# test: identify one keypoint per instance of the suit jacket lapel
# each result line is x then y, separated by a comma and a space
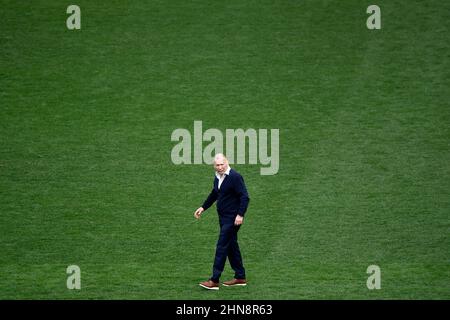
224, 182
216, 181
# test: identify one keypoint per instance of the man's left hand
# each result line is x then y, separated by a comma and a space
239, 220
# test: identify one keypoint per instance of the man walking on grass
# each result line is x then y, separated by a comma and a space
232, 201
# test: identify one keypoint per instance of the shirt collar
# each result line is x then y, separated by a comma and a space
226, 173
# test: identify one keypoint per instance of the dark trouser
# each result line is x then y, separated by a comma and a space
227, 246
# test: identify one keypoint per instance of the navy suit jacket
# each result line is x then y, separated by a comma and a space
232, 197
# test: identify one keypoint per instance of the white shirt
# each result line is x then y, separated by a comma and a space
221, 178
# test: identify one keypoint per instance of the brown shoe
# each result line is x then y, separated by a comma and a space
235, 282
210, 285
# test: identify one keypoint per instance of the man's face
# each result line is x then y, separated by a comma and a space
220, 165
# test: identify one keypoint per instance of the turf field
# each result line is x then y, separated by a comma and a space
86, 176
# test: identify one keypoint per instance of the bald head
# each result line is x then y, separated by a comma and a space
220, 163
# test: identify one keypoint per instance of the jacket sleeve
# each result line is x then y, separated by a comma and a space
242, 193
210, 200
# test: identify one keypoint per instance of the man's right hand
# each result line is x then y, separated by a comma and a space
198, 212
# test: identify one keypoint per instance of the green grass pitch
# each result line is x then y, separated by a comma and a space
86, 176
